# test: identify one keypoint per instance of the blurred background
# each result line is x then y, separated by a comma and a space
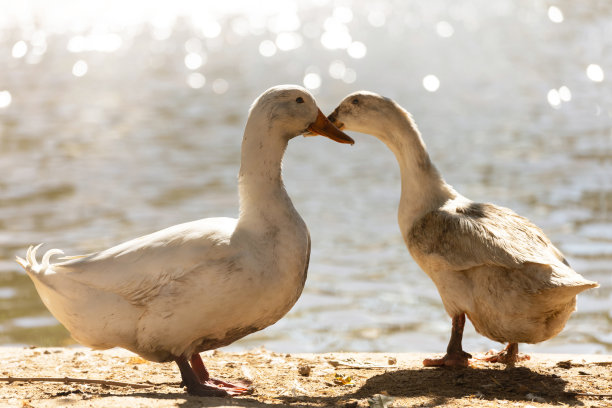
119, 118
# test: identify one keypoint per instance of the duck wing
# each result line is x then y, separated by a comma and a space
138, 269
473, 234
470, 235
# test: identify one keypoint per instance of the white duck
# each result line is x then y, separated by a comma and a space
203, 284
486, 261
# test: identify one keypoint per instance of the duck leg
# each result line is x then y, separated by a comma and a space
508, 356
455, 356
193, 384
204, 377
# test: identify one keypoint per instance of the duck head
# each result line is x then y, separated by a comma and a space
367, 112
293, 111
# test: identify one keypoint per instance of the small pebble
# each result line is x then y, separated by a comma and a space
535, 398
304, 370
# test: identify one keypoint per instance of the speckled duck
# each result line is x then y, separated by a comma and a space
486, 261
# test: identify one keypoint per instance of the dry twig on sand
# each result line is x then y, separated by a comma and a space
68, 380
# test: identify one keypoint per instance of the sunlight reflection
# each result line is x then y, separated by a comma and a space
79, 68
565, 94
349, 76
377, 18
19, 49
39, 44
444, 29
288, 41
555, 14
556, 96
211, 29
336, 35
196, 80
554, 99
595, 73
431, 83
357, 50
285, 21
7, 292
194, 61
76, 44
337, 69
220, 86
312, 80
107, 42
5, 99
343, 14
267, 48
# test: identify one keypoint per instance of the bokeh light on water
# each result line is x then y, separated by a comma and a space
119, 118
5, 99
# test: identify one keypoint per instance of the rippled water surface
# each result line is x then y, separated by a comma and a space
121, 118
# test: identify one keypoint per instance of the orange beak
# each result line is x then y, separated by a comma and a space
322, 126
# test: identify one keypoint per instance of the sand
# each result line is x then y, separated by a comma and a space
304, 380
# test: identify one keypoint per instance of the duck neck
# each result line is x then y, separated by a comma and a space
263, 198
423, 188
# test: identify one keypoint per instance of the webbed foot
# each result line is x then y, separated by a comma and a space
508, 356
456, 359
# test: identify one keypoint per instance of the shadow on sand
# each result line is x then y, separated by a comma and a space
440, 385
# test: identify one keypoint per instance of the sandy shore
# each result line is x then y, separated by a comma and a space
302, 380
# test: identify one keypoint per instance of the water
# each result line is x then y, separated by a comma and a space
117, 120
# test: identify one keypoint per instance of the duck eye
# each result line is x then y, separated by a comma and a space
299, 99
355, 101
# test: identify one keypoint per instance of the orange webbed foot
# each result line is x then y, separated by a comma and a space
458, 359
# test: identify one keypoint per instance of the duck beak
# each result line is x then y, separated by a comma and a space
322, 126
333, 118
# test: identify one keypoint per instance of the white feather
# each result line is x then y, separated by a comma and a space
47, 256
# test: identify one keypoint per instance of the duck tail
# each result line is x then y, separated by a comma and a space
586, 284
568, 282
31, 265
569, 291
